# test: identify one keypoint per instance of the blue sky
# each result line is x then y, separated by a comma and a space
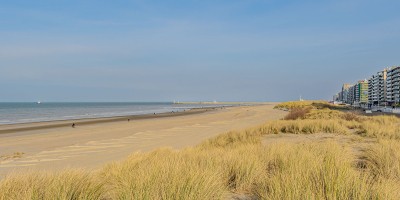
224, 50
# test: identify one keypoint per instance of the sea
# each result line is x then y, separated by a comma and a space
15, 113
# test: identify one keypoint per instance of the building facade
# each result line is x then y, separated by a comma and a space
361, 93
393, 86
345, 93
377, 89
351, 95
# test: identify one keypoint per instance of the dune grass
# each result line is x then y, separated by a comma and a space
383, 159
163, 174
315, 171
309, 104
381, 127
238, 163
68, 184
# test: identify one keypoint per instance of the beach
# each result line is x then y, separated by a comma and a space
315, 150
95, 142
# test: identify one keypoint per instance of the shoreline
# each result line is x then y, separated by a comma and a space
30, 126
236, 103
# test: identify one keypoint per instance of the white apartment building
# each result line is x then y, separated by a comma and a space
377, 88
393, 85
351, 95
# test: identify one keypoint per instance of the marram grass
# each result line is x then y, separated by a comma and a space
68, 184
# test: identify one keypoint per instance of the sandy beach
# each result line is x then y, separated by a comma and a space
94, 142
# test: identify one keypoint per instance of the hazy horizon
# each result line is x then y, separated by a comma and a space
152, 51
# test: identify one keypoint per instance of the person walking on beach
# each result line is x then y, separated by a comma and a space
73, 125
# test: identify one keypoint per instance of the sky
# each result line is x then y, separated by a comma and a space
200, 50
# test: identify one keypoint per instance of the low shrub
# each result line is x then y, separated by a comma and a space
297, 113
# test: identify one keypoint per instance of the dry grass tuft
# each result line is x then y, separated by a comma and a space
381, 127
69, 184
324, 114
383, 159
163, 174
233, 139
304, 127
351, 117
297, 113
314, 171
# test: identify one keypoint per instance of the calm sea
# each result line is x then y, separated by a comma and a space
13, 113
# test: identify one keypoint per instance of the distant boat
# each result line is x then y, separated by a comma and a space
38, 102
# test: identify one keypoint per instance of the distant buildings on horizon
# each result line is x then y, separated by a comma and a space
381, 89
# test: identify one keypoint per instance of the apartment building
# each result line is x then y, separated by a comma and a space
344, 94
361, 92
351, 94
393, 86
377, 89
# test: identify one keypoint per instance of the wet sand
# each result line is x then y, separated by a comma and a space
94, 142
14, 128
